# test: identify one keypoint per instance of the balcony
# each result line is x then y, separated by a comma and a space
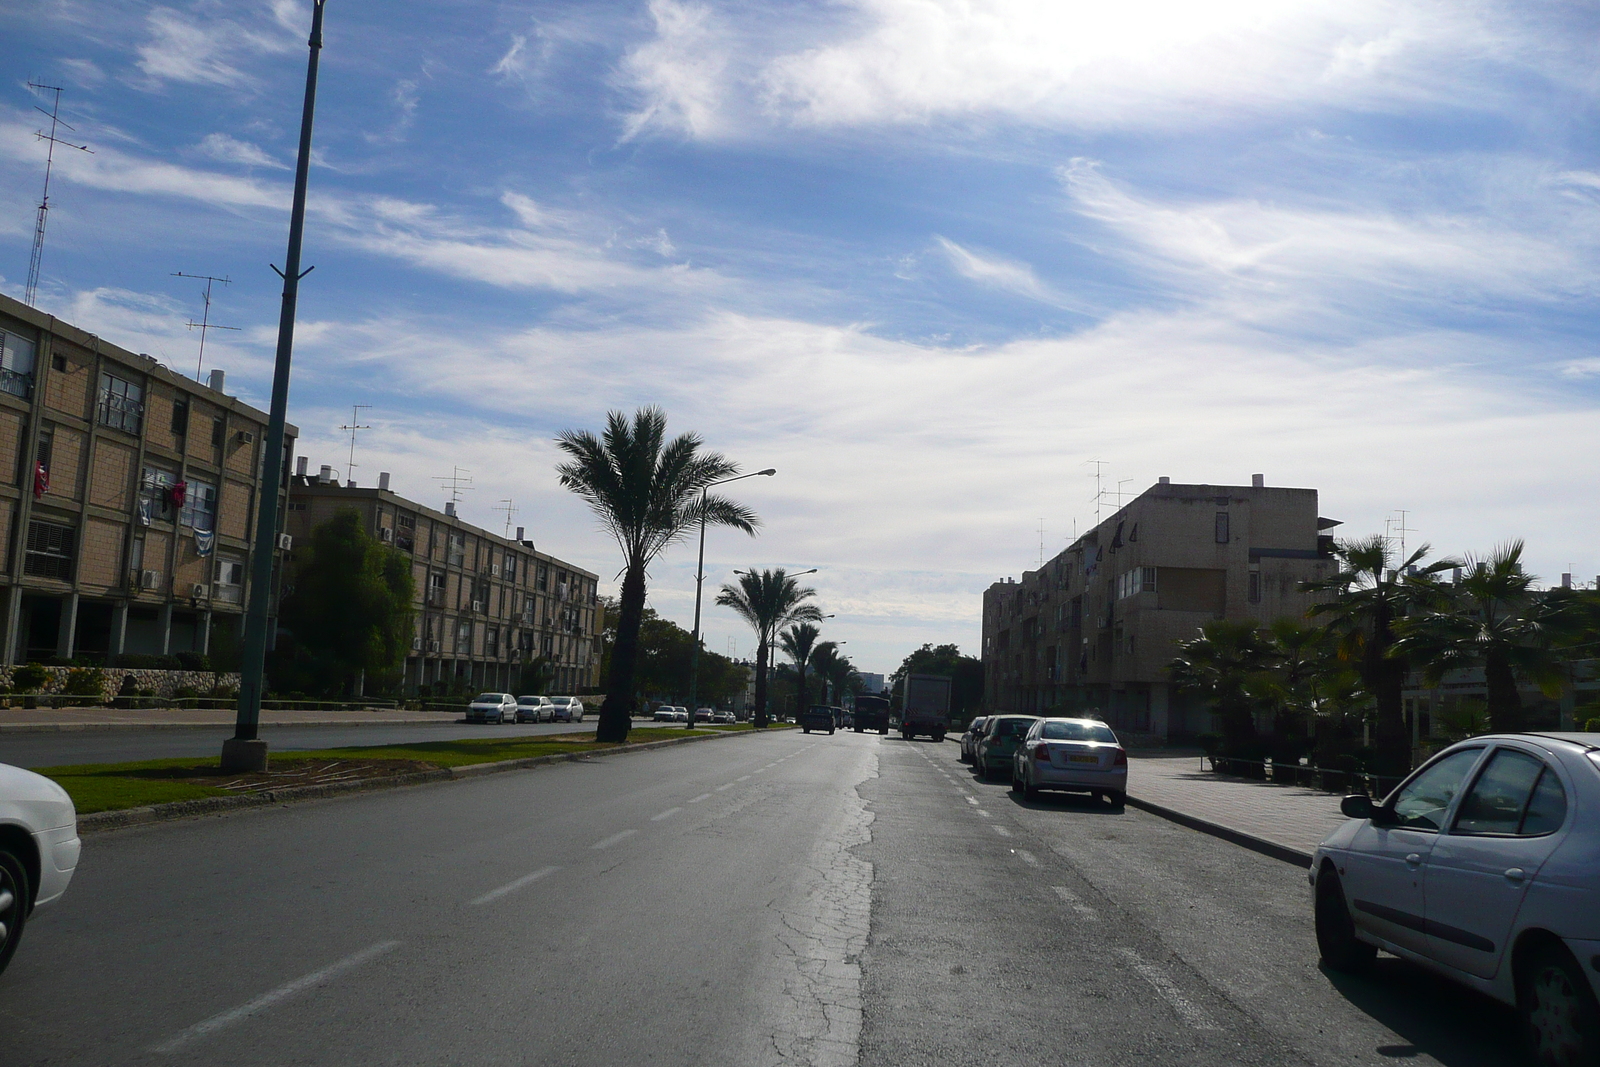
17, 383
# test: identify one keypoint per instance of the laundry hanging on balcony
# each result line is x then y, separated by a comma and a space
41, 480
204, 541
177, 493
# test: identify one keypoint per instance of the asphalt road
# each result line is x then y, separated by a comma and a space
755, 901
58, 749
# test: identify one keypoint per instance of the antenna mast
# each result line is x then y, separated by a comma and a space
44, 201
355, 420
1099, 491
205, 322
455, 482
510, 509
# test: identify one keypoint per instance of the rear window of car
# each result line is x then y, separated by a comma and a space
1077, 731
487, 698
1012, 727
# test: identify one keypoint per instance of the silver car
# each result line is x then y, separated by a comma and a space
535, 709
969, 738
1076, 755
492, 707
1484, 866
39, 849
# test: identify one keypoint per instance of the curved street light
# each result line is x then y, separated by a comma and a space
699, 582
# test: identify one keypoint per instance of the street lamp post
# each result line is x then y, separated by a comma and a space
699, 581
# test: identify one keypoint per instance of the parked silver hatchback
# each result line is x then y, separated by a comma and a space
1076, 755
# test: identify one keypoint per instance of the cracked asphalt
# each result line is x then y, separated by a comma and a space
756, 901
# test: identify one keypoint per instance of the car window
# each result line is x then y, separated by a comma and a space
1496, 802
1012, 727
486, 698
1547, 809
1420, 804
1077, 731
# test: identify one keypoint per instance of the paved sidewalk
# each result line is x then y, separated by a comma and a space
41, 719
1284, 820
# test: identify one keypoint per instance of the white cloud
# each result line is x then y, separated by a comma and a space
185, 46
680, 73
84, 72
220, 146
996, 272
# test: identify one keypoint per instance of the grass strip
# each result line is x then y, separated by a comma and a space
114, 786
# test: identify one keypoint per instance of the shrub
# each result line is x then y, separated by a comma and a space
193, 661
30, 677
128, 688
1593, 725
139, 661
84, 682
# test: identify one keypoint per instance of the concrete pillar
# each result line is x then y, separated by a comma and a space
13, 623
66, 633
165, 623
119, 627
205, 631
1159, 723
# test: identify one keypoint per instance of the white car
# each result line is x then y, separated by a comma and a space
1077, 755
664, 713
568, 709
535, 709
724, 717
1484, 866
492, 707
39, 849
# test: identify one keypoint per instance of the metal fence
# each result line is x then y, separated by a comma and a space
1327, 779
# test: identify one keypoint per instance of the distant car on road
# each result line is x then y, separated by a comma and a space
704, 714
1481, 866
817, 717
39, 849
568, 709
492, 707
535, 709
969, 738
872, 713
1076, 755
998, 742
665, 713
725, 717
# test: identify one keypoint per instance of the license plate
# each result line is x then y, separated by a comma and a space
1083, 759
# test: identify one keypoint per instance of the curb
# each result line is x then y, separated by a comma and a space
1227, 833
184, 809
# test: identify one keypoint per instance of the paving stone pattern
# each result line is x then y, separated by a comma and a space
1287, 815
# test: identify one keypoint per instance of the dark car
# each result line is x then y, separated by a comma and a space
872, 713
998, 742
969, 739
817, 717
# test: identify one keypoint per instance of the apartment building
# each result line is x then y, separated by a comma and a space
486, 605
127, 497
1096, 626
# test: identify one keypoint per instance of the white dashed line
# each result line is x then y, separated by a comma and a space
1169, 991
741, 778
669, 813
720, 788
983, 813
1075, 904
512, 887
1001, 830
973, 801
613, 839
1027, 857
702, 796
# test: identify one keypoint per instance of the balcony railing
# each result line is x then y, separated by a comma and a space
17, 383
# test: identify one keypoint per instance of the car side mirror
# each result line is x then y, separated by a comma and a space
1358, 806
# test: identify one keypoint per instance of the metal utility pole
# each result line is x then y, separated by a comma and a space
699, 582
245, 751
37, 257
205, 322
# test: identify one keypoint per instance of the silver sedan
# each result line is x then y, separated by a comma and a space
1076, 755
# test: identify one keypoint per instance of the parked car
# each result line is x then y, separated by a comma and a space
568, 709
492, 707
535, 709
664, 713
969, 739
704, 714
725, 717
39, 849
998, 742
1481, 866
1075, 755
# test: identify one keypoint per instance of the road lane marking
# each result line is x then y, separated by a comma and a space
972, 800
267, 1000
622, 835
669, 813
1027, 857
702, 796
720, 788
983, 813
1001, 830
741, 778
1168, 991
1075, 904
759, 770
512, 887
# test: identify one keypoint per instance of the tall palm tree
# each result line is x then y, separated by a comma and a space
1496, 622
1227, 665
824, 661
1370, 593
797, 642
646, 491
767, 600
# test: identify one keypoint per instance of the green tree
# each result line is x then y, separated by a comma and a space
836, 671
351, 609
797, 642
1229, 665
965, 674
1493, 620
647, 493
1368, 595
768, 600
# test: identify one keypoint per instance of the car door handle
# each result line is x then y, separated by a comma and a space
1414, 859
1516, 874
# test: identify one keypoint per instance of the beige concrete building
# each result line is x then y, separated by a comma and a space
127, 498
486, 605
1096, 626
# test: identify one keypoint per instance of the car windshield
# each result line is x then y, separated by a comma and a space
977, 724
487, 698
527, 700
1077, 731
1012, 727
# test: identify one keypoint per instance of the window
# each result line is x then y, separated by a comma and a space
44, 455
121, 403
1222, 528
16, 364
405, 533
436, 588
543, 581
464, 636
456, 553
59, 363
1255, 587
180, 416
1420, 804
510, 570
50, 546
1137, 580
218, 432
491, 642
547, 646
1515, 794
200, 506
229, 581
155, 495
136, 555
1077, 731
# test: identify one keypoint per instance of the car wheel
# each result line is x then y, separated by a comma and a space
805, 729
1016, 783
13, 904
859, 729
1029, 790
1559, 1016
883, 730
830, 731
1118, 798
1337, 943
980, 770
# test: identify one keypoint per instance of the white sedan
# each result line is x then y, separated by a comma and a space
1483, 866
1077, 755
38, 849
665, 713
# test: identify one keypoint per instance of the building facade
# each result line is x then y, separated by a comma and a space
1096, 626
486, 605
127, 498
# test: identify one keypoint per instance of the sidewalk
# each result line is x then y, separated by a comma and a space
1284, 821
50, 719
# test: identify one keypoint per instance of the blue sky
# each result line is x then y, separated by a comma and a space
926, 257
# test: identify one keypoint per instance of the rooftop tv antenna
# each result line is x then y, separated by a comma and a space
205, 322
1041, 542
1099, 490
458, 481
510, 509
1400, 529
44, 200
355, 424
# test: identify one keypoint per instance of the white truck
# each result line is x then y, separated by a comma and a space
925, 706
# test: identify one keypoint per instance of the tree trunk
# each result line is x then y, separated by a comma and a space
759, 720
1505, 703
616, 714
1386, 679
800, 690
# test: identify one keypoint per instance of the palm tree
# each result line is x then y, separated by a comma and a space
767, 600
647, 493
1496, 622
836, 669
824, 661
1227, 665
797, 642
1370, 593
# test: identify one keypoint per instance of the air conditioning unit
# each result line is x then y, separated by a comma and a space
527, 618
285, 542
199, 590
477, 605
416, 644
386, 535
433, 646
245, 437
150, 580
494, 570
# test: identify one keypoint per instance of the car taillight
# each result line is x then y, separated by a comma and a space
1122, 758
1042, 753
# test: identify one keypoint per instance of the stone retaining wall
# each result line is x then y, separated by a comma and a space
155, 682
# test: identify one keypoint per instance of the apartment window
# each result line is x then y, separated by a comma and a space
405, 532
49, 554
456, 552
547, 646
544, 576
121, 403
436, 588
1137, 580
155, 495
229, 581
1255, 587
44, 455
59, 363
511, 567
491, 642
136, 555
1222, 528
180, 416
219, 429
200, 506
464, 636
16, 364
